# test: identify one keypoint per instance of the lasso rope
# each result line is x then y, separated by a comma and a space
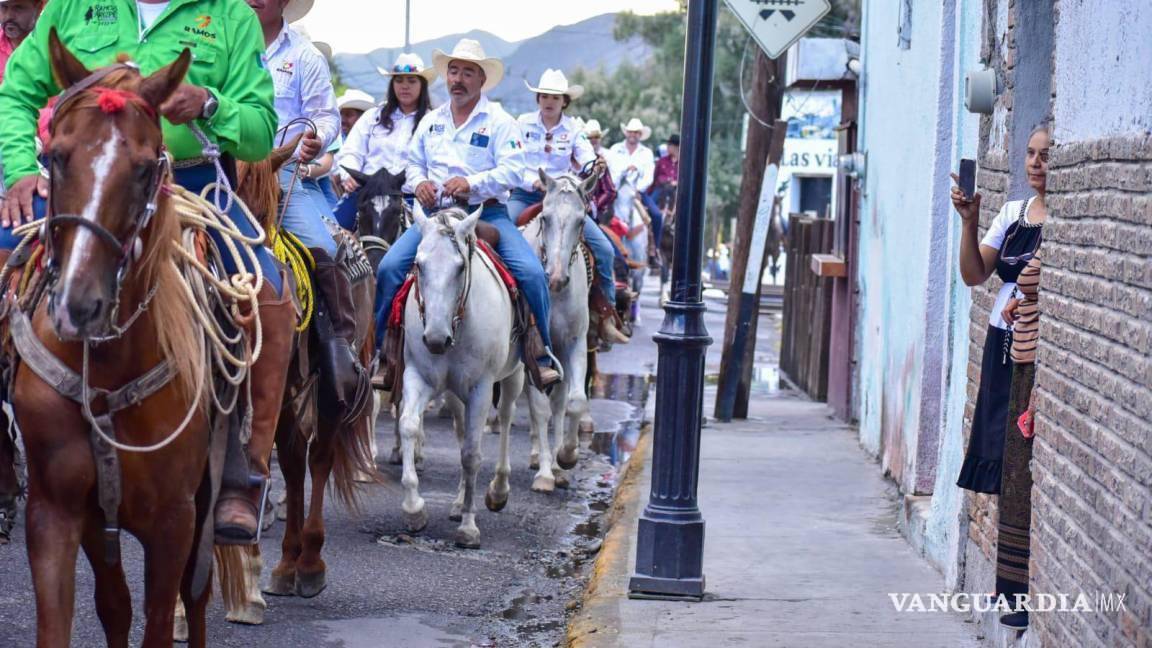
293, 253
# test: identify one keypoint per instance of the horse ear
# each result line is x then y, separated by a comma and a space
467, 225
589, 183
163, 82
280, 156
360, 178
546, 181
418, 215
67, 69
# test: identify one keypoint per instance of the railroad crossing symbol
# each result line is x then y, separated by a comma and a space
776, 24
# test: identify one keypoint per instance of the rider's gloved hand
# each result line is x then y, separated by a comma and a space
17, 207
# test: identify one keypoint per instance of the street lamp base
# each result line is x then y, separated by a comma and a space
669, 559
666, 589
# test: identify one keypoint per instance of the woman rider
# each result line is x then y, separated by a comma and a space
554, 141
379, 140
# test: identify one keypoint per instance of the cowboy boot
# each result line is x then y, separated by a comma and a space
342, 372
605, 318
237, 512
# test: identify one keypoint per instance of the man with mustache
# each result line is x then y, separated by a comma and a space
17, 18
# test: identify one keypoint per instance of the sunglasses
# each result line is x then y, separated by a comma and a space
548, 138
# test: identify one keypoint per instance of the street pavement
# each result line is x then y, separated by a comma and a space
390, 588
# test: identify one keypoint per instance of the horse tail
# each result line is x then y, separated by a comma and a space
231, 564
353, 463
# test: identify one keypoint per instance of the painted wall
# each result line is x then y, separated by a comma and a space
913, 331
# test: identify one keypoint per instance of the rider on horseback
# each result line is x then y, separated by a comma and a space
471, 151
227, 93
552, 142
306, 104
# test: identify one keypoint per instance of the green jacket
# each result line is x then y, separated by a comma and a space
227, 47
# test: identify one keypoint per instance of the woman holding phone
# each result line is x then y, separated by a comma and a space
1006, 248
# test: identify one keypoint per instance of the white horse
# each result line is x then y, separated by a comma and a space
458, 324
629, 208
555, 235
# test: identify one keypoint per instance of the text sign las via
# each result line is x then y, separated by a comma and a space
776, 24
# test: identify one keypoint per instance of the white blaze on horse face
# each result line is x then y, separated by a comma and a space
560, 230
441, 277
83, 242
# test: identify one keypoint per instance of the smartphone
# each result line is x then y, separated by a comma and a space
968, 177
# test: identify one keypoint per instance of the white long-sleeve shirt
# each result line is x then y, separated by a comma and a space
487, 150
369, 147
303, 86
641, 158
553, 154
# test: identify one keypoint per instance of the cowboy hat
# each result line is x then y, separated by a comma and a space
471, 51
592, 129
296, 10
635, 125
356, 100
324, 48
553, 82
409, 64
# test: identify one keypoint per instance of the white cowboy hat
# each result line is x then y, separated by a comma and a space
296, 10
409, 64
356, 100
323, 48
471, 51
553, 82
635, 125
592, 129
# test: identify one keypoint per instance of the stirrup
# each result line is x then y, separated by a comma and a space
261, 509
555, 363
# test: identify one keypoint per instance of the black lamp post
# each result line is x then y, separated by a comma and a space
670, 540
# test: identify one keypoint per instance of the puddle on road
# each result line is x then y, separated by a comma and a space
627, 397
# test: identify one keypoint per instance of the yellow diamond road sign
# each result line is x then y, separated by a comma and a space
776, 24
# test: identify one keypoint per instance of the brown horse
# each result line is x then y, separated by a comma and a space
313, 436
109, 246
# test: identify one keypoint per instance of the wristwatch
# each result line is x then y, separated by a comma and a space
211, 104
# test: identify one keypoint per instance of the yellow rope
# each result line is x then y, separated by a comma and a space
293, 253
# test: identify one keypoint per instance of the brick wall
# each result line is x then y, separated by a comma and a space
1092, 463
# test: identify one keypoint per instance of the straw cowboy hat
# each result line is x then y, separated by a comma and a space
553, 82
409, 64
356, 100
297, 9
635, 125
323, 48
592, 129
471, 51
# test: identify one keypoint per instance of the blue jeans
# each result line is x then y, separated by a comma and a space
517, 254
602, 249
345, 210
656, 215
325, 185
193, 179
303, 215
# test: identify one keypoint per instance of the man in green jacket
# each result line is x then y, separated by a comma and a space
228, 93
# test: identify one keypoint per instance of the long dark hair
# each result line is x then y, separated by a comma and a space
423, 105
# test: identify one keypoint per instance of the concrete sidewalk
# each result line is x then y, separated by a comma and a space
801, 546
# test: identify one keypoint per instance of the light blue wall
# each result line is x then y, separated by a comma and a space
913, 331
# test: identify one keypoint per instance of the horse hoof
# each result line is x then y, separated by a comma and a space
310, 585
180, 630
281, 583
416, 521
468, 538
250, 614
567, 459
495, 505
561, 480
395, 459
544, 484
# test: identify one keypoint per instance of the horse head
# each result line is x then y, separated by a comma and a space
380, 205
107, 168
561, 224
443, 271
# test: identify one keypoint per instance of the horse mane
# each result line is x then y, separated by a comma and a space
258, 186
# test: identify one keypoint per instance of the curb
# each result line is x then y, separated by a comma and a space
598, 620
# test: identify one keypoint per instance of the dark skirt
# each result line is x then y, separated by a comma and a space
1015, 491
982, 462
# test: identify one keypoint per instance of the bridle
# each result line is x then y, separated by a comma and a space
129, 249
466, 251
580, 238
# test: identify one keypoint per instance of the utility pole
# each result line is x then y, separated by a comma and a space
670, 538
407, 25
765, 102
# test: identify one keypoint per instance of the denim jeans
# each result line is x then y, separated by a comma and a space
303, 215
517, 254
193, 179
602, 249
345, 210
656, 215
325, 186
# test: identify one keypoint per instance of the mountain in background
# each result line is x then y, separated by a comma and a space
588, 44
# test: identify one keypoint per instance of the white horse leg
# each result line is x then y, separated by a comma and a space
575, 408
540, 412
411, 429
251, 612
455, 408
479, 401
497, 496
180, 623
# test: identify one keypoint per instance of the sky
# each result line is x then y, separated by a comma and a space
355, 26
